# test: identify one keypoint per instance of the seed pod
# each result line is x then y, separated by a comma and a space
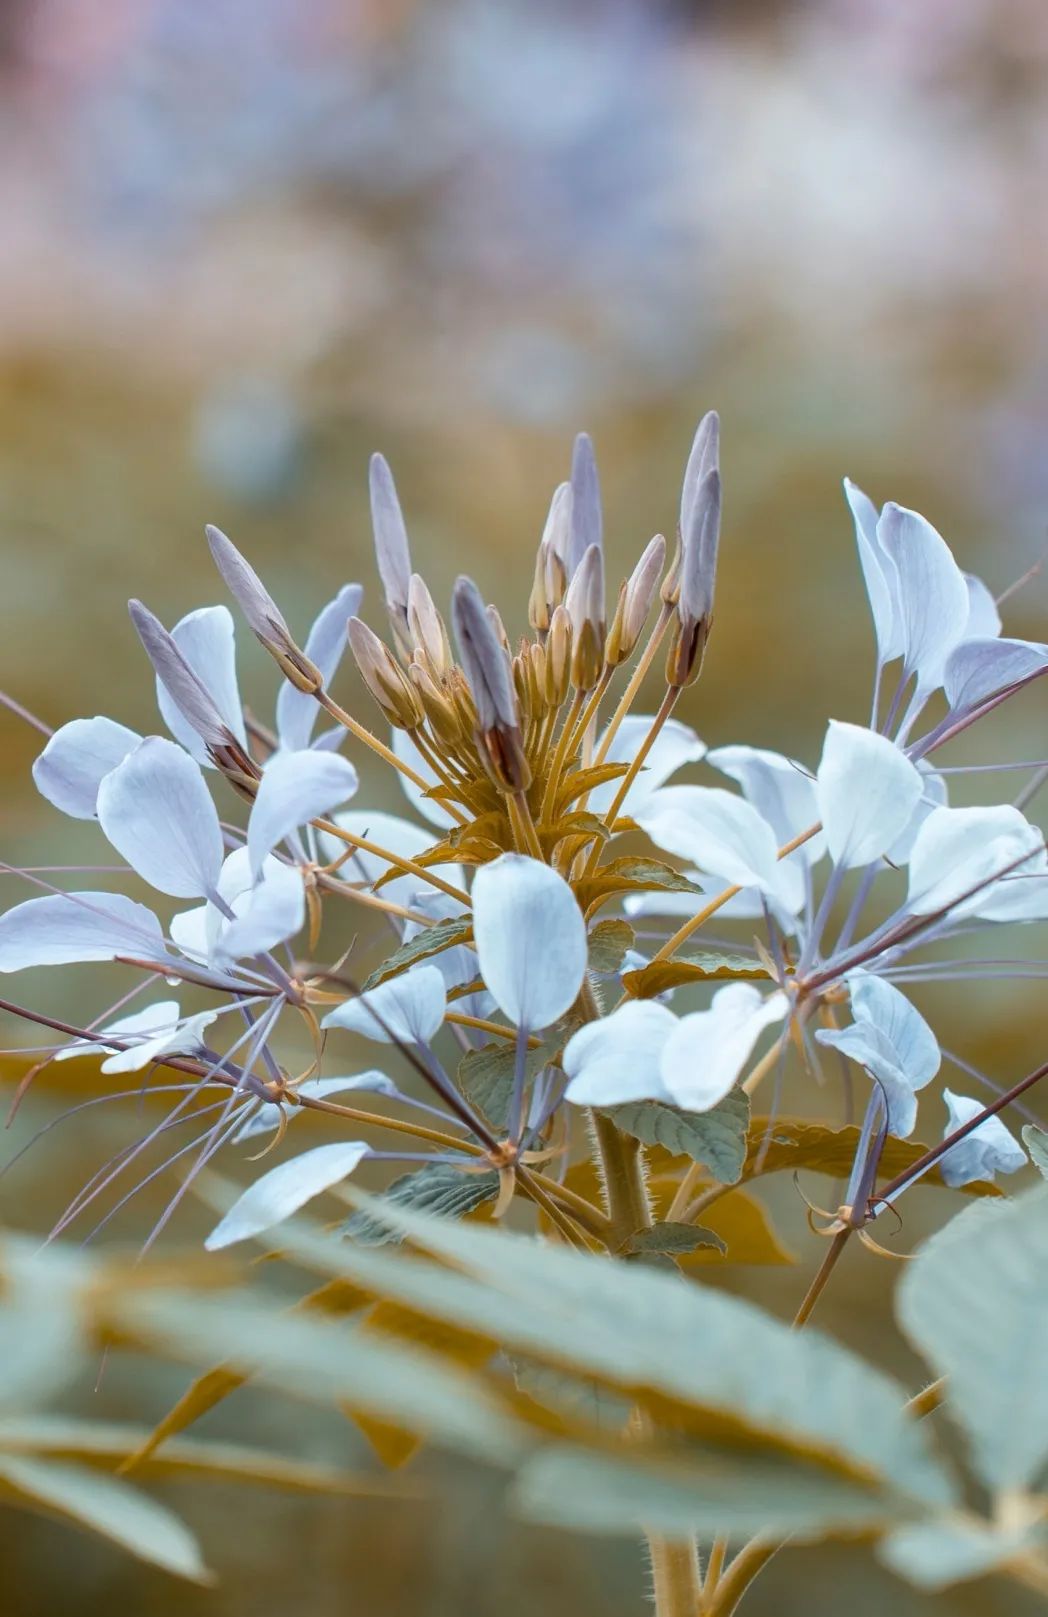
486, 666
383, 677
263, 615
697, 576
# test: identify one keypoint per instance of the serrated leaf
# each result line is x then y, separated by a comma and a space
707, 1494
975, 1304
711, 966
697, 1359
106, 1506
675, 1240
578, 824
716, 1138
581, 781
1036, 1142
437, 1188
631, 875
485, 1076
433, 940
608, 942
936, 1554
798, 1143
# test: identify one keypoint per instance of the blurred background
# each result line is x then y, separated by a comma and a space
247, 242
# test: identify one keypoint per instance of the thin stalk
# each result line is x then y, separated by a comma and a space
517, 803
676, 1586
753, 1558
666, 707
560, 756
818, 1285
378, 747
629, 695
409, 866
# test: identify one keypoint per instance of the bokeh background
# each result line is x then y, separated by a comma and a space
246, 242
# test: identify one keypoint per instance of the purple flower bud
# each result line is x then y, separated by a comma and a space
262, 613
184, 687
487, 669
391, 545
586, 522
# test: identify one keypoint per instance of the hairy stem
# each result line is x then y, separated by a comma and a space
675, 1576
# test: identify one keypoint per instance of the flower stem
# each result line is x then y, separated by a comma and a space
626, 701
675, 1576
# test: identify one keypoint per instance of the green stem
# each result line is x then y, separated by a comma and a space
676, 1585
621, 1164
740, 1574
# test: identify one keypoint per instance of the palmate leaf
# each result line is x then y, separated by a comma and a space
433, 940
975, 1304
716, 1138
794, 1142
697, 1358
437, 1188
485, 1076
710, 1493
106, 1506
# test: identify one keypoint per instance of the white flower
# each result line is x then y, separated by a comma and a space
158, 1030
284, 1189
987, 1151
675, 745
866, 790
408, 1009
994, 850
269, 1113
724, 836
619, 1057
892, 1041
530, 938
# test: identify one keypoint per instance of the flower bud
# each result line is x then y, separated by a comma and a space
558, 658
585, 606
391, 548
383, 677
486, 666
634, 604
698, 569
262, 613
586, 520
441, 715
427, 627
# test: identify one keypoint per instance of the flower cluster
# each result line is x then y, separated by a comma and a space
523, 928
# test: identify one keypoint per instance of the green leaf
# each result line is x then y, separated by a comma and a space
716, 1138
577, 1397
702, 1355
975, 1303
579, 824
630, 875
705, 967
608, 943
324, 1362
485, 1076
792, 1142
742, 1222
106, 1506
710, 1493
581, 781
102, 1443
433, 940
676, 1240
1036, 1142
436, 1188
935, 1554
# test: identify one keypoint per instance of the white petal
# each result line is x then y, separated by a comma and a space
707, 1050
269, 913
716, 830
674, 746
268, 1116
297, 710
530, 938
284, 1189
984, 620
933, 595
979, 668
295, 788
867, 791
871, 1049
65, 928
389, 831
206, 639
428, 807
618, 1058
161, 1017
76, 760
781, 790
156, 810
959, 849
409, 1009
193, 932
933, 796
879, 573
987, 1151
184, 1039
881, 1005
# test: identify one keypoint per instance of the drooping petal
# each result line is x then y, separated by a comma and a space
76, 760
871, 1049
295, 788
429, 807
716, 830
297, 710
270, 912
984, 1153
284, 1189
881, 1004
531, 939
618, 1058
161, 1017
207, 641
186, 1038
867, 791
961, 849
977, 669
706, 1052
408, 1009
66, 928
269, 1114
675, 745
933, 595
984, 620
156, 810
879, 574
780, 789
398, 836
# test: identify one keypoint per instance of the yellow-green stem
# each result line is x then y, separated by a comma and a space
666, 707
675, 1576
628, 696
